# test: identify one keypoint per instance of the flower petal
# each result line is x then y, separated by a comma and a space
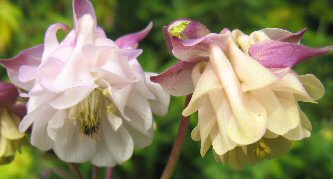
313, 86
51, 41
82, 7
248, 70
29, 57
249, 123
275, 54
177, 79
9, 129
130, 41
120, 143
160, 104
71, 97
283, 35
78, 149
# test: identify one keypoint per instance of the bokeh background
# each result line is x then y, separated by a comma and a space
23, 24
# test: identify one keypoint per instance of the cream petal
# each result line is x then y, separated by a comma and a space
59, 128
71, 97
41, 113
103, 156
206, 122
207, 82
160, 104
140, 139
249, 122
313, 86
303, 130
9, 129
248, 70
282, 112
120, 143
120, 96
195, 134
78, 149
39, 136
140, 106
223, 114
290, 83
114, 120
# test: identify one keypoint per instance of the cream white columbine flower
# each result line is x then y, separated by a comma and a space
244, 89
89, 99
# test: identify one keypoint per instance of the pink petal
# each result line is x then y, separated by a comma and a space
8, 94
130, 41
283, 35
51, 41
28, 57
80, 8
192, 31
275, 54
71, 97
177, 80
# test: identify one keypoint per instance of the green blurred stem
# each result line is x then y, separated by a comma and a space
94, 172
177, 146
76, 170
109, 173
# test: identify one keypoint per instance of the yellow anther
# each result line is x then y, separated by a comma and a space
88, 113
178, 29
262, 149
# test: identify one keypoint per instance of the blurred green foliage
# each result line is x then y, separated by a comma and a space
23, 24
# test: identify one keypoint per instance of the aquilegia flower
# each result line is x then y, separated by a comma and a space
11, 113
244, 89
89, 99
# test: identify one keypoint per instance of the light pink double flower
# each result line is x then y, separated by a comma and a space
244, 89
89, 99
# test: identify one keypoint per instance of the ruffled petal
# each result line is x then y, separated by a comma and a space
275, 54
51, 41
284, 35
177, 79
313, 86
160, 104
82, 7
130, 41
79, 148
28, 57
248, 70
249, 123
120, 144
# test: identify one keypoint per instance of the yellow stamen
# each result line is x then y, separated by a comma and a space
262, 149
178, 29
88, 113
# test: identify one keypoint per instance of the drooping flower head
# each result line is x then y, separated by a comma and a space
89, 99
11, 113
244, 89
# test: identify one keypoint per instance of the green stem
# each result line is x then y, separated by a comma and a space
76, 170
177, 146
109, 173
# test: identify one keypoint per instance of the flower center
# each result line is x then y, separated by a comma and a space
262, 149
88, 113
178, 29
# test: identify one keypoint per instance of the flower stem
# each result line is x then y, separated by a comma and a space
177, 146
76, 170
94, 172
109, 173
